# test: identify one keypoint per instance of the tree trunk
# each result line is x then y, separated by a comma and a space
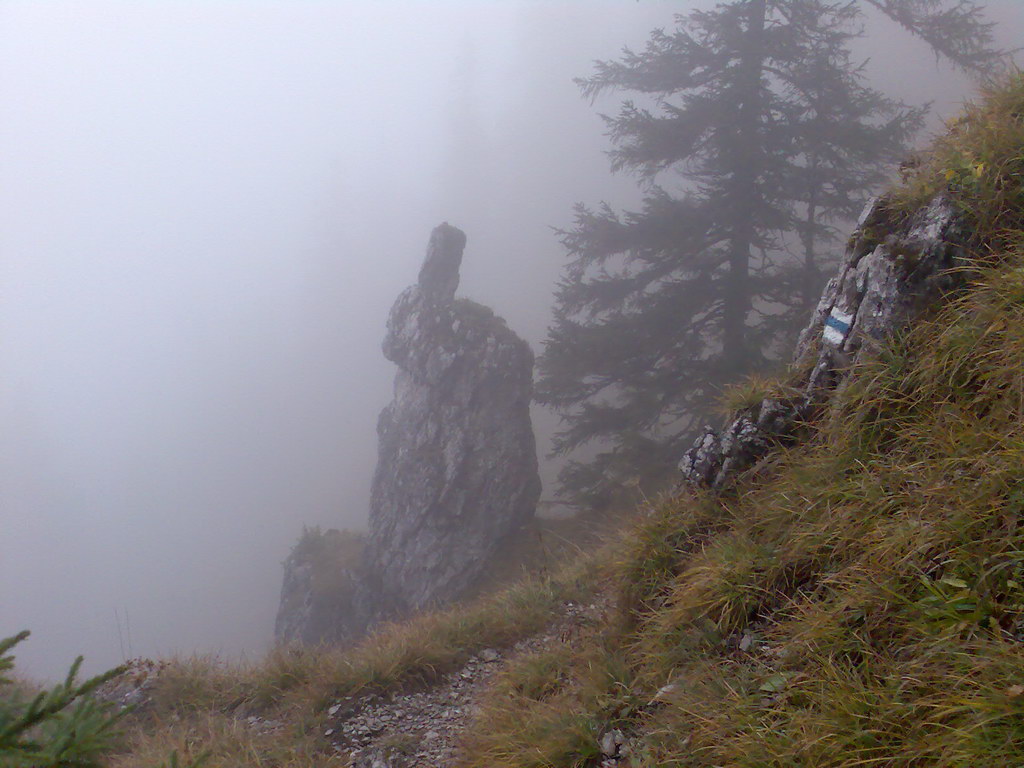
737, 301
810, 283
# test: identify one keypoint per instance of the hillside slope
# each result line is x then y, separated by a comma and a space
857, 598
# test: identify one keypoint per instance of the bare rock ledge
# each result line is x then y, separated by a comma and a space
894, 267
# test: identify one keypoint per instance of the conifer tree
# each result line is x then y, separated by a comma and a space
758, 138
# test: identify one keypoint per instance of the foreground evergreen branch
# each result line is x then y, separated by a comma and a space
59, 728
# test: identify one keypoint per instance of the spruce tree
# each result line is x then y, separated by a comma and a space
757, 141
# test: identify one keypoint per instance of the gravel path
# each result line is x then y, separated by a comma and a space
422, 729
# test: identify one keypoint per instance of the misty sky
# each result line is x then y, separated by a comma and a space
206, 211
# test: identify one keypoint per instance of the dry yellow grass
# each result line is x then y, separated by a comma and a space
201, 706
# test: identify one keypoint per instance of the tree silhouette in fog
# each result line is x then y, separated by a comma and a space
756, 139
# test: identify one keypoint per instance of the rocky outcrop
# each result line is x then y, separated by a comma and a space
894, 265
457, 462
323, 595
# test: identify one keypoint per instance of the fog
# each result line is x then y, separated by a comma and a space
206, 211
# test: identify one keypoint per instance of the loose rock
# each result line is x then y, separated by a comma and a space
611, 742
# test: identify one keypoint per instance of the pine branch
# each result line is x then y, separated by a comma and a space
954, 29
60, 727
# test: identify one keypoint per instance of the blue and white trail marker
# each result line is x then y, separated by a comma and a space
837, 326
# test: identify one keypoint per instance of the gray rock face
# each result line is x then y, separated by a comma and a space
893, 267
323, 595
456, 470
457, 460
297, 620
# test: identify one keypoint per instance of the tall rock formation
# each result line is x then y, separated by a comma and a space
895, 265
457, 461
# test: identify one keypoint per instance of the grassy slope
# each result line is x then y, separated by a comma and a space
861, 602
